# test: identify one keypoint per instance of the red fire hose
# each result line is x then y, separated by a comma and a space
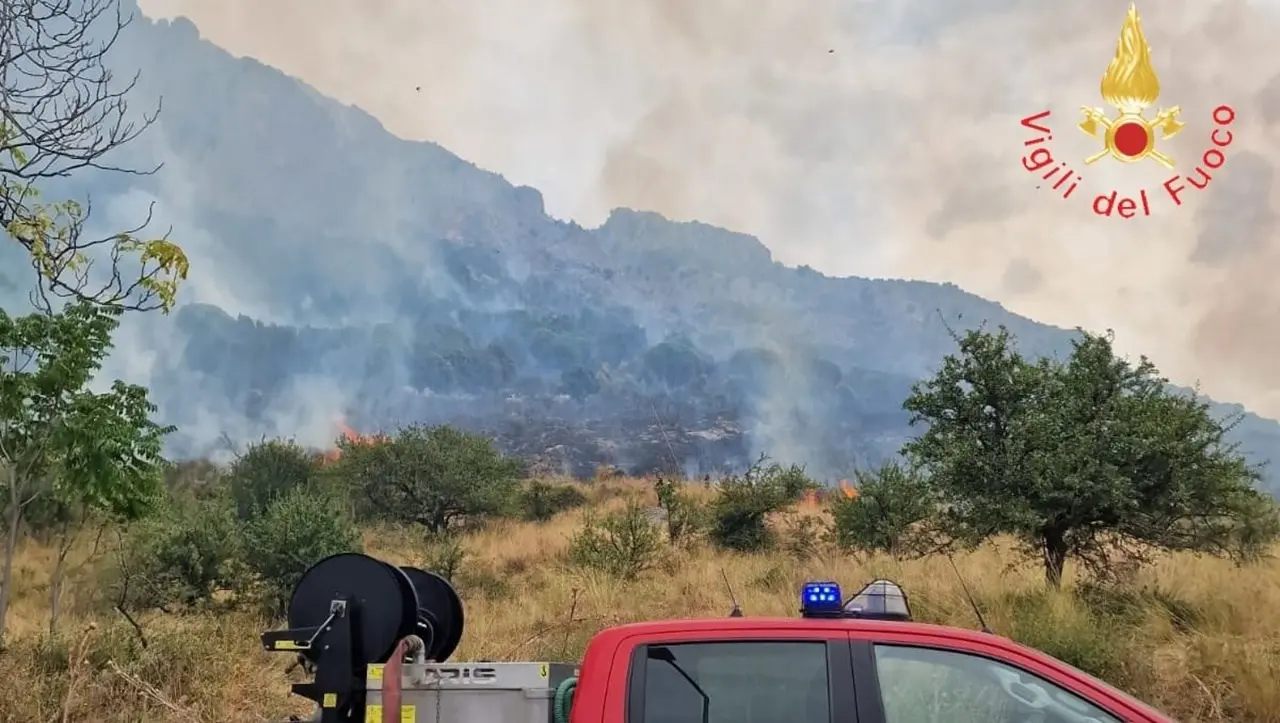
393, 675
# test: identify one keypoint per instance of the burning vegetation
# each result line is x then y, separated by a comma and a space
351, 437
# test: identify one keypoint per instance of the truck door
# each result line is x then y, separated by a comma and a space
733, 679
913, 681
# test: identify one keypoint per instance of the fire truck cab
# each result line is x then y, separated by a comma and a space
860, 660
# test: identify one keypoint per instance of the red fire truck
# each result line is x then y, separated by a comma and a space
378, 639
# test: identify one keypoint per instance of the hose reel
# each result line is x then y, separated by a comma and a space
349, 611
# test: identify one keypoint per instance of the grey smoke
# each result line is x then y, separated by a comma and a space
896, 155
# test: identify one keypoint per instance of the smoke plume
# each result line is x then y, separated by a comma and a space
867, 138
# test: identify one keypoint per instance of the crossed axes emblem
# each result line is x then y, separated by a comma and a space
1098, 125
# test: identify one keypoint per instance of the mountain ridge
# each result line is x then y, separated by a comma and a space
407, 284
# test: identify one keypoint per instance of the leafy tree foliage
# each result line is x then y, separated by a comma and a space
61, 112
435, 476
739, 513
298, 529
265, 472
540, 501
1092, 458
63, 445
892, 505
625, 544
685, 518
180, 557
675, 363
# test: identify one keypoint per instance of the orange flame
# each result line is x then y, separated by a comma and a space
347, 432
810, 499
351, 436
850, 492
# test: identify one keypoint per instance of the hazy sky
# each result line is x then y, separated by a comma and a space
858, 137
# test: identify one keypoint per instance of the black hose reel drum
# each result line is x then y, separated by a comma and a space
349, 611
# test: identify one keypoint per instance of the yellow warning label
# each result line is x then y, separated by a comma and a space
544, 671
330, 700
290, 645
375, 672
373, 714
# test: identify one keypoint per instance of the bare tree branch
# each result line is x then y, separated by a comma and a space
62, 111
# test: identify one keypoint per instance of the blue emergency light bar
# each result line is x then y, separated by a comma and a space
820, 599
880, 600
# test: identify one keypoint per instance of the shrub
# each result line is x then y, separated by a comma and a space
444, 555
625, 544
743, 503
892, 501
792, 482
684, 516
805, 537
265, 472
295, 532
540, 501
182, 556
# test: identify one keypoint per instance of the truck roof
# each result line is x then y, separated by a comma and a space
923, 633
688, 625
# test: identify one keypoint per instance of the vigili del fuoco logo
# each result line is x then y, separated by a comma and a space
1128, 135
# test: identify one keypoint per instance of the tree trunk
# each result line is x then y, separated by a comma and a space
13, 518
65, 540
1055, 556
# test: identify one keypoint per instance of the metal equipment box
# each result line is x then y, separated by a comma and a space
472, 692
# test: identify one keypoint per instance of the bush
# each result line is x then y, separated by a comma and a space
265, 472
540, 501
805, 537
685, 518
892, 501
743, 504
625, 544
295, 532
180, 557
444, 555
437, 477
792, 482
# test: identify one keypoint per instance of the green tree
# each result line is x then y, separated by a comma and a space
892, 504
1094, 459
298, 529
674, 362
63, 111
434, 476
61, 441
265, 472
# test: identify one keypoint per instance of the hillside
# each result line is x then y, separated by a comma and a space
1187, 619
340, 272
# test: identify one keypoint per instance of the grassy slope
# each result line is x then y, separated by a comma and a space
1205, 646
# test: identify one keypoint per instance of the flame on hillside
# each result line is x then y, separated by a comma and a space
351, 436
812, 499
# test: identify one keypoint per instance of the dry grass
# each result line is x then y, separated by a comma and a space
1202, 643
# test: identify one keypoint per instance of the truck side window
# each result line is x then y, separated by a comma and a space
736, 682
926, 685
